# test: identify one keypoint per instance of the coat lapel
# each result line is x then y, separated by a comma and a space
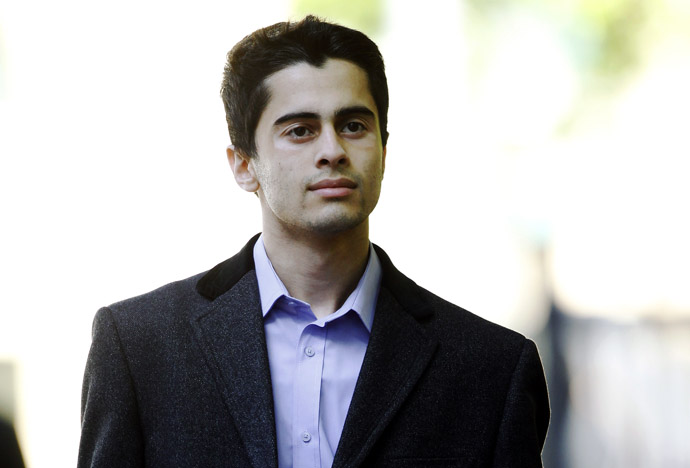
398, 353
230, 332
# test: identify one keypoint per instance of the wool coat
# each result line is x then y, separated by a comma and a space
179, 377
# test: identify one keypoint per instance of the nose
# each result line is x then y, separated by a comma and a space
330, 151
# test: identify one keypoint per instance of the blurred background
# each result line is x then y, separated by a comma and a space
537, 174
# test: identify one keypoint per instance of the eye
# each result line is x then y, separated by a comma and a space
299, 132
354, 127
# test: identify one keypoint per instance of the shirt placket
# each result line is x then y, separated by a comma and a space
307, 397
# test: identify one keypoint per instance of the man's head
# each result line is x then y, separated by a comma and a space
271, 49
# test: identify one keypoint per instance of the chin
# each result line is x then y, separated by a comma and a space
336, 224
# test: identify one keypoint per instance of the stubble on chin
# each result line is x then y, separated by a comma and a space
335, 224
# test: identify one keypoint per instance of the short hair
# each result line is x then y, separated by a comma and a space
273, 48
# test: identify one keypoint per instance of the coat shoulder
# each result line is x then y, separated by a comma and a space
444, 320
177, 300
155, 315
168, 300
451, 321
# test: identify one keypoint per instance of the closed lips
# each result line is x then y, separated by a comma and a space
333, 183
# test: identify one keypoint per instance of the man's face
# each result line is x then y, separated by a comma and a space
320, 160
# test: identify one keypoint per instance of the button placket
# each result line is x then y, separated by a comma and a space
306, 395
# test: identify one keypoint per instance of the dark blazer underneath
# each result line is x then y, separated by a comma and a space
179, 377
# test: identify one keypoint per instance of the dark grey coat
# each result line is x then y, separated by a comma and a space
179, 377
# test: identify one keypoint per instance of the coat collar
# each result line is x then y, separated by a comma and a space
403, 289
222, 277
225, 275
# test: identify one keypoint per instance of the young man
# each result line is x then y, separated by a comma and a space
308, 348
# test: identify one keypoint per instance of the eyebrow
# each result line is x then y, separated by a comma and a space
296, 116
354, 110
340, 113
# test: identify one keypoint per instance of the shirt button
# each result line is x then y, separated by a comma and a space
306, 437
309, 351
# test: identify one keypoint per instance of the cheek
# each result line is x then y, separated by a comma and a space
277, 181
375, 168
265, 172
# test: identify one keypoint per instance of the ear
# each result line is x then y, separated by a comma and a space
243, 170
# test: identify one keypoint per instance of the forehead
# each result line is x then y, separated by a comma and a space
322, 90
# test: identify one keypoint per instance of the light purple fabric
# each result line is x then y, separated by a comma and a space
314, 363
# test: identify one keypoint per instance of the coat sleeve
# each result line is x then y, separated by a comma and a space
110, 427
525, 415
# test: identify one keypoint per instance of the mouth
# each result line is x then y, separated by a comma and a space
333, 188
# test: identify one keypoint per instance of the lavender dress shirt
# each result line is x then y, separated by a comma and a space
314, 363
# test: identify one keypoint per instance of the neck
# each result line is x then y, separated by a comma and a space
320, 269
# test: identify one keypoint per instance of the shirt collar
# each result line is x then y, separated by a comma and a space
362, 300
